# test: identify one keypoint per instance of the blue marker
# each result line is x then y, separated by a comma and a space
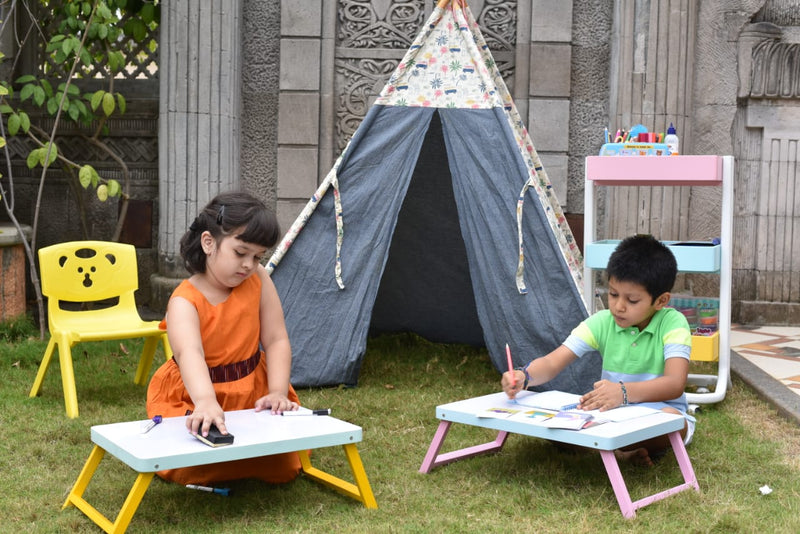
219, 491
151, 424
570, 406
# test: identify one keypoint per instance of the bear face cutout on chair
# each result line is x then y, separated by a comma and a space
90, 266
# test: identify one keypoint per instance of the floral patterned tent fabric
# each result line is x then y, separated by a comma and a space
516, 259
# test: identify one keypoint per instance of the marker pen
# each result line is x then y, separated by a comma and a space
326, 411
151, 424
219, 491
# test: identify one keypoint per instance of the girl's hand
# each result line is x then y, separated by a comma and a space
204, 415
606, 395
276, 402
512, 383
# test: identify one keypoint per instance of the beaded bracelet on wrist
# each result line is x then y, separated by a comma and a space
524, 370
624, 393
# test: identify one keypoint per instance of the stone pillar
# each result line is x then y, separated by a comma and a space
199, 128
301, 159
549, 86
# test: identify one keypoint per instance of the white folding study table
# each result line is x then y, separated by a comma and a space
169, 445
605, 437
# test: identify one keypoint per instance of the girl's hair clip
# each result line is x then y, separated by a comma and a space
220, 214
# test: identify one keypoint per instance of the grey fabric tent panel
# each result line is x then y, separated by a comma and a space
487, 183
328, 327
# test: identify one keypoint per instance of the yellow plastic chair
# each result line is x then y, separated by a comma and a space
89, 287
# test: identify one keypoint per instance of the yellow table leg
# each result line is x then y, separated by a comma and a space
129, 507
86, 475
360, 491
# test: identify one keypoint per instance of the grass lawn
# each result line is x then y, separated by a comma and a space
740, 445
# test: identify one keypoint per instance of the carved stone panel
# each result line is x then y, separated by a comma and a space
373, 35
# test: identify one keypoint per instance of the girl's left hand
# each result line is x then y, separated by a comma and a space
276, 402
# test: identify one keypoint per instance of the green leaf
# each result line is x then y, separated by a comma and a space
28, 78
86, 57
103, 11
148, 13
112, 62
48, 89
108, 104
139, 31
26, 92
113, 188
38, 96
102, 31
33, 158
82, 107
14, 122
102, 192
53, 153
85, 175
66, 47
97, 98
73, 111
3, 91
121, 103
2, 143
25, 121
6, 109
52, 105
73, 90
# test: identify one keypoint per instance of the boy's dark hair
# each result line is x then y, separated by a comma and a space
235, 210
644, 260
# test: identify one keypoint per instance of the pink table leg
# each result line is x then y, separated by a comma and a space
629, 508
618, 484
434, 459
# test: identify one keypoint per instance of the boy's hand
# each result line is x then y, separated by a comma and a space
512, 383
606, 395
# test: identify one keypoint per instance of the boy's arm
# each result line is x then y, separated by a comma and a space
607, 395
540, 370
667, 387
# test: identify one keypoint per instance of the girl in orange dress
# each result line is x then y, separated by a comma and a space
227, 332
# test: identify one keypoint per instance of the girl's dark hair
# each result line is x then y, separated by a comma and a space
646, 261
226, 213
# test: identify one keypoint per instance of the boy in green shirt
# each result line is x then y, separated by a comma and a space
644, 345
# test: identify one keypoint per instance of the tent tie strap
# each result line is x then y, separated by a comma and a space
521, 287
337, 207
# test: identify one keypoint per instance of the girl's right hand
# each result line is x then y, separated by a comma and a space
512, 382
204, 415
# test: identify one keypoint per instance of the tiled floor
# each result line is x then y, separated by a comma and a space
774, 349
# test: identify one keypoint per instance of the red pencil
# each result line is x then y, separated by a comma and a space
511, 367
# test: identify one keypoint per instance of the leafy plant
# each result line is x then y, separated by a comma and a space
86, 48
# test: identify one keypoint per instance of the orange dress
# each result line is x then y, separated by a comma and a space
230, 332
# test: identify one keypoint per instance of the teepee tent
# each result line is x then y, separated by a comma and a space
437, 218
